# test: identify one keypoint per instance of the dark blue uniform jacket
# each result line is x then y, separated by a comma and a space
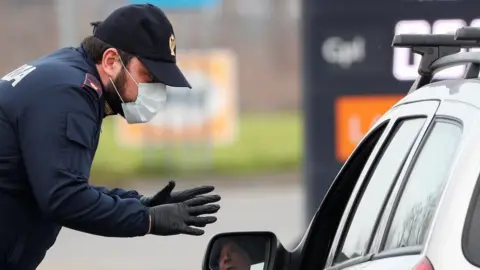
51, 112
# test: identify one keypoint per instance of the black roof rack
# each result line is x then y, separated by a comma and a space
468, 33
444, 47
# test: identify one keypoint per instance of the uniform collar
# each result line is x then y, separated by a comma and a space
106, 110
91, 64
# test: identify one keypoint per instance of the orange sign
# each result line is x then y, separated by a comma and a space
354, 116
205, 113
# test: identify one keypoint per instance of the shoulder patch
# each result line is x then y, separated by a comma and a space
93, 83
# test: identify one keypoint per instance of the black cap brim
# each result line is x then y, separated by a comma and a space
166, 72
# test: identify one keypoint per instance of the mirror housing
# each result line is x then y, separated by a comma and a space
259, 250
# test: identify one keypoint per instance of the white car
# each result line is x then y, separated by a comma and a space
409, 195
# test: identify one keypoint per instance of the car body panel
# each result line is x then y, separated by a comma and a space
446, 236
458, 98
467, 91
455, 100
393, 263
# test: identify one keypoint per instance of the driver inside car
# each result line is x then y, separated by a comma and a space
237, 254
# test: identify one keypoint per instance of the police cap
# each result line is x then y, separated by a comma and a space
144, 31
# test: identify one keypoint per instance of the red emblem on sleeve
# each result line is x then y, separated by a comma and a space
93, 83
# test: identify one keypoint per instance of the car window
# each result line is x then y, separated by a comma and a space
378, 187
424, 187
330, 212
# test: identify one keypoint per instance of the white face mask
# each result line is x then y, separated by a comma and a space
150, 100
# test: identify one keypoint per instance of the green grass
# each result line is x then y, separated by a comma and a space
265, 143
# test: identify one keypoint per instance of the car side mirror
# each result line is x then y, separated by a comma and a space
243, 251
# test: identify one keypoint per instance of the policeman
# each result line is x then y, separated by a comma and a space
51, 112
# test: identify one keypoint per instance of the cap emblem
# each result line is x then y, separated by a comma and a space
172, 44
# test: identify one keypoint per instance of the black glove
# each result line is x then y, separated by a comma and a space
172, 219
166, 195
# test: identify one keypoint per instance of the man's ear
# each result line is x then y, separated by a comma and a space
110, 62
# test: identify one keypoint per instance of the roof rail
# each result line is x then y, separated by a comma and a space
468, 34
438, 47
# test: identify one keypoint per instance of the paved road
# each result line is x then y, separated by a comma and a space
254, 205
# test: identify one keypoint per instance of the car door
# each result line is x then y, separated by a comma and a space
407, 126
411, 211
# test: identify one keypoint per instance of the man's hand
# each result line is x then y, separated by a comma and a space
166, 195
172, 219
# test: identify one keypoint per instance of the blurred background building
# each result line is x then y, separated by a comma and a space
263, 35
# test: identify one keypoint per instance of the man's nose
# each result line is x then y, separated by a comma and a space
226, 258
